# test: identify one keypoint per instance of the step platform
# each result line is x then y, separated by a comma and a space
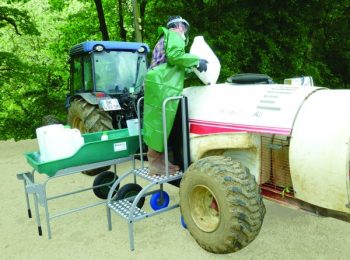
123, 207
144, 173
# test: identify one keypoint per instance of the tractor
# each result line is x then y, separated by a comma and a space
106, 80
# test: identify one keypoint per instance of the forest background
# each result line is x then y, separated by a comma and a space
282, 39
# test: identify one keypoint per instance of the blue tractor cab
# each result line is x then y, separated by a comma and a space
106, 79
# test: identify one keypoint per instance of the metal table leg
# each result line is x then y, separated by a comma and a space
37, 216
131, 235
109, 220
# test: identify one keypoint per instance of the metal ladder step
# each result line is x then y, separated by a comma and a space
122, 207
143, 173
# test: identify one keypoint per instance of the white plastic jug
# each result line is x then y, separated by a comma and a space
201, 49
77, 139
57, 142
41, 133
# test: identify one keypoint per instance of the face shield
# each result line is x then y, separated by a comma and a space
180, 25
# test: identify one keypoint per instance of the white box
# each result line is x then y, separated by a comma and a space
300, 82
133, 126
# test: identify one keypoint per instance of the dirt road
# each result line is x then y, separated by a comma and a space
286, 233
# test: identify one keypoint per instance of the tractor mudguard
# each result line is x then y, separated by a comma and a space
89, 98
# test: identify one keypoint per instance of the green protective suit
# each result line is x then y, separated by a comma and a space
163, 81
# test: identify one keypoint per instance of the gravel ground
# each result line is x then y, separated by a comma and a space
286, 233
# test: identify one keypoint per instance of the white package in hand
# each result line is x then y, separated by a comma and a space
202, 50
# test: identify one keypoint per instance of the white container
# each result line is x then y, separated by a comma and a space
202, 50
57, 142
41, 133
133, 126
77, 139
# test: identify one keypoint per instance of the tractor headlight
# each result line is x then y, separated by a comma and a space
141, 49
99, 47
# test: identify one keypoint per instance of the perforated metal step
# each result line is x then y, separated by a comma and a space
144, 173
122, 207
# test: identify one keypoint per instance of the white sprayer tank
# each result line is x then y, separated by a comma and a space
315, 119
319, 150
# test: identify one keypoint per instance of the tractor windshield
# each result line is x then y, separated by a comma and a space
119, 72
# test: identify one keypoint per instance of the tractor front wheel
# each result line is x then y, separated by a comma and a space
221, 204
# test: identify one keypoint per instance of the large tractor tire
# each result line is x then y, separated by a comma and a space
88, 119
221, 204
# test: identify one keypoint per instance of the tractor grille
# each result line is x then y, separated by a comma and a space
275, 161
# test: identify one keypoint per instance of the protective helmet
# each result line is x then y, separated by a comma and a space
179, 23
176, 21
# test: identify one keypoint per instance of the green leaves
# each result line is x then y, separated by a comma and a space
17, 19
30, 77
279, 38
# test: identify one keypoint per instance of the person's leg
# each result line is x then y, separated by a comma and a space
156, 163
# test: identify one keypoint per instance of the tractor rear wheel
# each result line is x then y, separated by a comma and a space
88, 119
221, 204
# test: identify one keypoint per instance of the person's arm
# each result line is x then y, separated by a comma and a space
175, 52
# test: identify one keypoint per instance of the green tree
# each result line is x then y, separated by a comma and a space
101, 19
31, 85
279, 38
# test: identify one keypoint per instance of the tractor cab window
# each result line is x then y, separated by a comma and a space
82, 74
77, 74
119, 71
88, 86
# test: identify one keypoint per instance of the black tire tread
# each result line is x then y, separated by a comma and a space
94, 118
243, 196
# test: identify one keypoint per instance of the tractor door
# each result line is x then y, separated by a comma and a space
81, 75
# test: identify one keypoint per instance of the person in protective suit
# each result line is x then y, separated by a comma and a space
165, 79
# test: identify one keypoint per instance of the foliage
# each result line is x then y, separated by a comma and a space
31, 84
19, 20
279, 38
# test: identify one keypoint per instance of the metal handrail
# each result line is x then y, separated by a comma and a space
140, 134
165, 136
